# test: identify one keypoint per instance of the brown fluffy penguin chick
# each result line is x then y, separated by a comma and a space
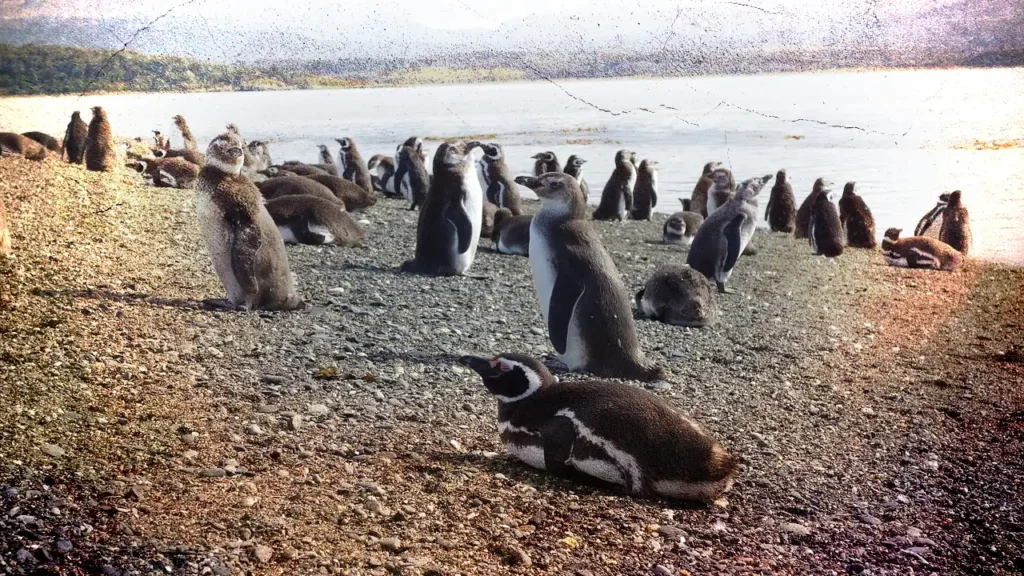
956, 224
76, 138
826, 231
51, 143
5, 233
511, 233
487, 223
803, 214
699, 196
679, 295
295, 186
919, 252
313, 220
356, 199
170, 172
601, 430
12, 144
781, 209
856, 218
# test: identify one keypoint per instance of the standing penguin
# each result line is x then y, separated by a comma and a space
511, 233
956, 224
724, 235
803, 215
645, 192
581, 295
382, 170
100, 154
502, 190
353, 166
617, 196
681, 227
327, 161
608, 431
545, 162
722, 189
781, 210
411, 177
449, 225
825, 230
855, 216
246, 248
699, 197
574, 168
678, 295
931, 223
76, 137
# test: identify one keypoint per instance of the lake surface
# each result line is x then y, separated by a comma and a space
903, 136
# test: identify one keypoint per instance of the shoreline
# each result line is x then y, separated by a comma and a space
869, 405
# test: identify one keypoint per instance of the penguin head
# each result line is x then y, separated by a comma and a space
455, 154
954, 198
553, 187
225, 152
345, 143
374, 161
492, 152
99, 112
822, 184
159, 153
848, 189
577, 162
893, 233
76, 115
509, 377
623, 157
686, 204
944, 198
751, 187
140, 166
780, 176
722, 177
233, 129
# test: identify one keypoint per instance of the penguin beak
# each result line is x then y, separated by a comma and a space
480, 365
536, 156
235, 152
473, 144
528, 181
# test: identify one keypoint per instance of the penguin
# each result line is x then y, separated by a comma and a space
545, 162
603, 430
617, 196
681, 227
956, 224
245, 246
353, 166
449, 225
919, 252
581, 295
511, 233
295, 186
574, 168
46, 140
502, 190
76, 136
411, 177
160, 141
100, 153
645, 192
803, 214
487, 222
855, 216
699, 197
383, 181
190, 149
12, 144
169, 172
353, 196
327, 163
781, 209
722, 189
678, 295
724, 235
312, 220
301, 169
825, 231
5, 232
931, 223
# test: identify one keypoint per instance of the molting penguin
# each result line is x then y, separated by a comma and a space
574, 168
352, 195
699, 197
956, 224
169, 172
722, 189
803, 215
411, 177
246, 248
645, 192
295, 186
353, 166
617, 196
511, 234
931, 223
449, 225
100, 154
608, 431
46, 140
781, 210
681, 227
5, 232
12, 144
487, 223
545, 162
190, 149
919, 252
679, 295
76, 137
724, 235
313, 220
382, 170
300, 169
327, 161
160, 141
581, 295
856, 218
502, 190
825, 231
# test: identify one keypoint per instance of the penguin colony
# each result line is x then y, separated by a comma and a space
249, 208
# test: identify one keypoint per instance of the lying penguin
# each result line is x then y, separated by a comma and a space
678, 295
313, 220
681, 227
604, 430
511, 234
919, 252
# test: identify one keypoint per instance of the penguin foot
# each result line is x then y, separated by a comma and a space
219, 305
723, 289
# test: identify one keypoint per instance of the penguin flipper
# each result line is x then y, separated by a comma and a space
458, 218
732, 237
245, 244
564, 295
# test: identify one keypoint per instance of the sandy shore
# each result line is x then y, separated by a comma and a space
880, 426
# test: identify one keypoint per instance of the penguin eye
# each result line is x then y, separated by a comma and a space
505, 366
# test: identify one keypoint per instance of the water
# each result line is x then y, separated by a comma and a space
903, 136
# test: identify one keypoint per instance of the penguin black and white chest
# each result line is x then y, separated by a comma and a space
448, 229
803, 214
353, 166
825, 231
931, 223
956, 224
411, 177
855, 216
511, 233
545, 162
502, 190
722, 189
245, 246
601, 430
645, 192
382, 172
574, 168
681, 227
581, 295
617, 196
781, 209
919, 252
699, 196
75, 138
725, 234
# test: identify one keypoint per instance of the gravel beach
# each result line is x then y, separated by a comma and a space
878, 411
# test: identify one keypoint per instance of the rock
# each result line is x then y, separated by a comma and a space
515, 556
189, 437
64, 546
249, 501
925, 542
215, 473
318, 410
661, 570
914, 532
253, 430
658, 386
671, 532
760, 439
794, 529
52, 450
295, 422
23, 556
391, 545
336, 290
267, 409
868, 519
271, 379
263, 553
537, 331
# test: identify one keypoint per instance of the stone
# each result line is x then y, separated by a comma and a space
391, 545
516, 556
868, 519
52, 450
253, 430
794, 529
671, 532
215, 473
189, 437
318, 410
661, 570
64, 546
267, 409
263, 553
295, 422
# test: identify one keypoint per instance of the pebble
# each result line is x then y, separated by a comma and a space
267, 409
264, 553
52, 450
392, 545
868, 519
671, 532
253, 430
295, 422
318, 410
658, 386
537, 331
249, 501
795, 529
914, 532
64, 546
761, 441
215, 473
661, 570
189, 437
516, 556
